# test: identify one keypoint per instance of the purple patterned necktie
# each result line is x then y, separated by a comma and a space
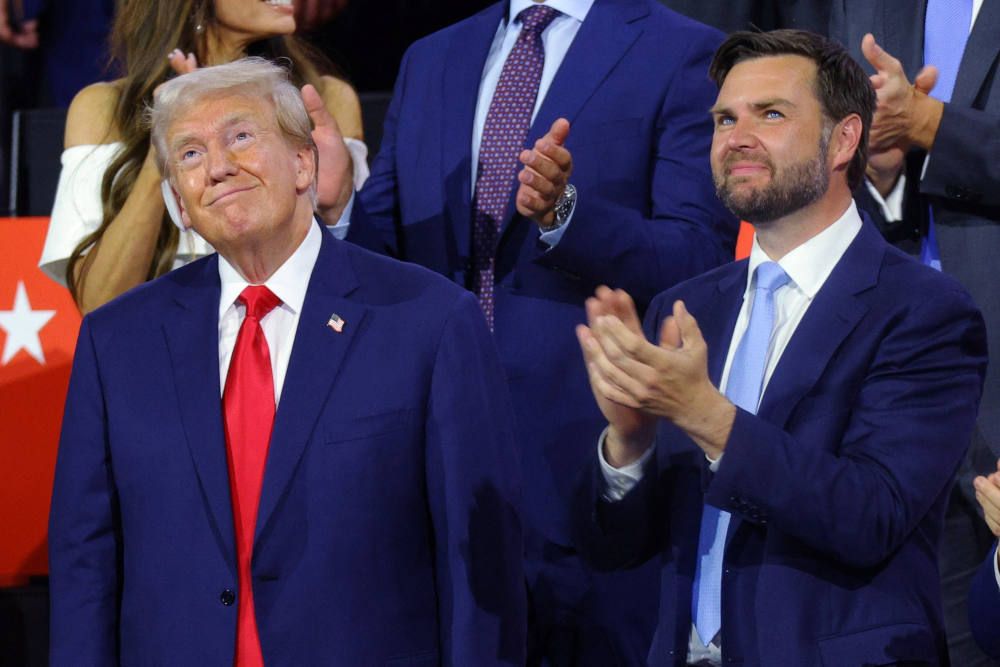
504, 132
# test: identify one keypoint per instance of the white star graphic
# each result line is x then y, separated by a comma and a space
22, 325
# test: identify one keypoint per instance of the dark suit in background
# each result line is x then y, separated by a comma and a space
962, 186
74, 36
634, 88
765, 15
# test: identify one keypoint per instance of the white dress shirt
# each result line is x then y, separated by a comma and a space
808, 266
288, 283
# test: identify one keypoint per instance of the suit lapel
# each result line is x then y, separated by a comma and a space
602, 40
833, 314
981, 53
317, 355
192, 337
605, 36
717, 324
462, 72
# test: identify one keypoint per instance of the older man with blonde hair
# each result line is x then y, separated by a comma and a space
292, 452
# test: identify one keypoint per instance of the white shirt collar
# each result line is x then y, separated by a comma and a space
576, 9
289, 283
809, 265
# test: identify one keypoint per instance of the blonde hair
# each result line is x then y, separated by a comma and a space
252, 76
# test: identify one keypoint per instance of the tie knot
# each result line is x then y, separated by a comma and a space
770, 276
259, 301
536, 19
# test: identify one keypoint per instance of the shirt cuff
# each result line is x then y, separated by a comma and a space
340, 229
359, 157
892, 205
619, 481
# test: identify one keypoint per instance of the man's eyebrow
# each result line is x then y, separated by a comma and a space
769, 103
773, 102
227, 121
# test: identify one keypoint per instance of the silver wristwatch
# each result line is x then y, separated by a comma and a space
562, 209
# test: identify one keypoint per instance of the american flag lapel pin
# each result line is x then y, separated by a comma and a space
336, 323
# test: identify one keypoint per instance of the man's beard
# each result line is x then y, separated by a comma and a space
789, 190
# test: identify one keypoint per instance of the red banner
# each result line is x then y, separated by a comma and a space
38, 328
744, 242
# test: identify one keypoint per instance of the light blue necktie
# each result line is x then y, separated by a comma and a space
946, 30
746, 376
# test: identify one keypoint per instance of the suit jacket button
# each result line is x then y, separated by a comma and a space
227, 597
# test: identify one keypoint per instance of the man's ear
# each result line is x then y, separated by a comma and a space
185, 218
306, 166
845, 141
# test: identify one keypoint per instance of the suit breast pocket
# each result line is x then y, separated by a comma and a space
368, 427
349, 462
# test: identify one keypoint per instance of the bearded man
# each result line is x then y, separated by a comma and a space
788, 440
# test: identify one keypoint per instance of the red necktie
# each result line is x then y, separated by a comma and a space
248, 411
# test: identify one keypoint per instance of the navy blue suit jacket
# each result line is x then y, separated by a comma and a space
984, 607
634, 87
388, 527
837, 487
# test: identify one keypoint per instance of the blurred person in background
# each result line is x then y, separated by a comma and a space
71, 40
620, 194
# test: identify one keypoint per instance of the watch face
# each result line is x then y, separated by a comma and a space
564, 206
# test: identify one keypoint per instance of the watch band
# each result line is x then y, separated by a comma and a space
562, 209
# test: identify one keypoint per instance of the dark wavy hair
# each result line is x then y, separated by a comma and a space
842, 87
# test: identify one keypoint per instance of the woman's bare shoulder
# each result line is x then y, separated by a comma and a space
341, 100
91, 118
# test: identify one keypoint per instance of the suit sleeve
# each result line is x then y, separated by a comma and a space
474, 490
684, 230
615, 535
902, 433
984, 607
621, 534
906, 233
373, 219
964, 163
84, 526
